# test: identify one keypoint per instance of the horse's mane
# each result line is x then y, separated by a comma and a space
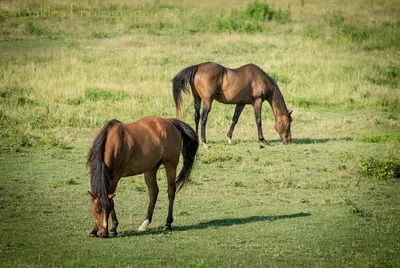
99, 171
270, 81
276, 91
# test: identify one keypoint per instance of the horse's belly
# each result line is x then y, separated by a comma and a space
142, 162
233, 99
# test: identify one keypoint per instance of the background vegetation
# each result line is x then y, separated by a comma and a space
329, 199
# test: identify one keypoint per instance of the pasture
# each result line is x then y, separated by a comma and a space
329, 199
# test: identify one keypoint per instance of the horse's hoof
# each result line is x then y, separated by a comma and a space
167, 228
112, 234
229, 141
206, 146
261, 146
144, 226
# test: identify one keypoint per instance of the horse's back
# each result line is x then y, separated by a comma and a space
209, 72
155, 135
139, 146
231, 86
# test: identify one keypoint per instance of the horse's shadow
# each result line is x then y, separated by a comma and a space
311, 140
215, 224
275, 142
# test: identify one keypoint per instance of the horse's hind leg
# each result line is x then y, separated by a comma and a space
151, 181
235, 118
206, 109
196, 105
171, 175
257, 112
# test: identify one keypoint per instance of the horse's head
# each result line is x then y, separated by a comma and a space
101, 213
282, 126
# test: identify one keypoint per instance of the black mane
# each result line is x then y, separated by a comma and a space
100, 173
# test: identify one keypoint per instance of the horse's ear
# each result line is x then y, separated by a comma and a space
290, 112
94, 197
110, 196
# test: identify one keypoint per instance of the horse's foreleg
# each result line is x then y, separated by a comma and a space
196, 105
113, 232
257, 112
238, 110
93, 233
206, 109
151, 182
171, 175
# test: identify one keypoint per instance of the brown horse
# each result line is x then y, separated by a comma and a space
248, 84
121, 150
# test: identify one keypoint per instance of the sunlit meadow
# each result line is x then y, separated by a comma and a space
329, 199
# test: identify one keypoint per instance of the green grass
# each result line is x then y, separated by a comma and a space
300, 210
329, 199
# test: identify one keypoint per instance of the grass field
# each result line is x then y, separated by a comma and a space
330, 199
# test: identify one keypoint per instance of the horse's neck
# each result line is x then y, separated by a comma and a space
277, 103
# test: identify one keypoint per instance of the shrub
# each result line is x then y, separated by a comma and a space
258, 11
250, 19
382, 169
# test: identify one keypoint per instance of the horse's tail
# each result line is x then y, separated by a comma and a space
100, 173
181, 82
189, 150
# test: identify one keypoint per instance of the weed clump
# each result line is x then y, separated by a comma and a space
219, 158
250, 18
382, 169
386, 76
96, 94
100, 35
376, 138
35, 30
239, 184
355, 209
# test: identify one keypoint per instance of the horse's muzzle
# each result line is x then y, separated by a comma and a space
102, 234
287, 141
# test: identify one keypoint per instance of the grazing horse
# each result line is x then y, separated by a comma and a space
248, 84
121, 150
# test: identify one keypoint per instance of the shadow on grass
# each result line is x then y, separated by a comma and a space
275, 142
215, 224
312, 141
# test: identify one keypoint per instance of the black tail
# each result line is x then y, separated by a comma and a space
181, 82
99, 171
189, 150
